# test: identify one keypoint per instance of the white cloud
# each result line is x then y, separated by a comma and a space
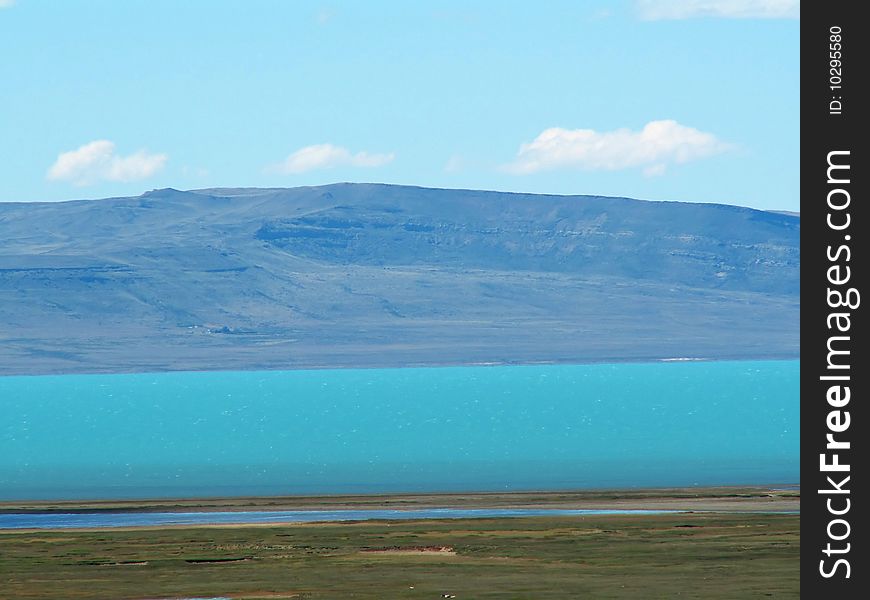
654, 10
97, 161
6, 3
652, 149
327, 156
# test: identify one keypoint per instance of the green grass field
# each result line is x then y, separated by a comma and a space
654, 556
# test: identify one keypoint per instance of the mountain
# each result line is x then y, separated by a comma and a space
381, 275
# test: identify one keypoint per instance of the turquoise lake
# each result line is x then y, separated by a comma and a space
399, 430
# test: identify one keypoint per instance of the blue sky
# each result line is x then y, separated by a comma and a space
693, 100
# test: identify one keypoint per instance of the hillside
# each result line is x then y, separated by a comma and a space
376, 275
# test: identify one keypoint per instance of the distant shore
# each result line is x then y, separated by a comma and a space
357, 364
783, 498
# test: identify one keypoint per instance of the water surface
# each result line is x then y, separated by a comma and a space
148, 519
399, 430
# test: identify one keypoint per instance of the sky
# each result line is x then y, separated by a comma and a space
689, 100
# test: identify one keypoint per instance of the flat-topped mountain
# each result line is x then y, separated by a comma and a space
381, 275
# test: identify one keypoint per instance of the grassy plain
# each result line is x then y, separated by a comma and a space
689, 555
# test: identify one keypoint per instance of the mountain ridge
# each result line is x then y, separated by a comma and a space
379, 275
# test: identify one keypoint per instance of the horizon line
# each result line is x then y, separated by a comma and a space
400, 185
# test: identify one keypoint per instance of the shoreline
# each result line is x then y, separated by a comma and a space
339, 366
775, 498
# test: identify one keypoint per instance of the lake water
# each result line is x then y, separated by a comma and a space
399, 430
156, 519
